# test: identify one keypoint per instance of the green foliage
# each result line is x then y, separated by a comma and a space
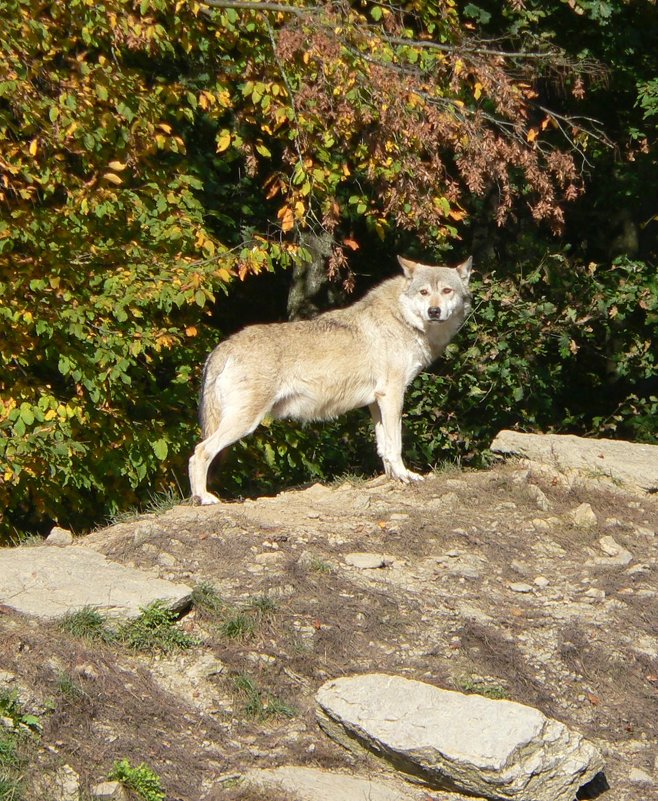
487, 688
154, 631
11, 708
18, 729
140, 779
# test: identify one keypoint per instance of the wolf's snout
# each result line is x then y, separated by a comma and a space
434, 312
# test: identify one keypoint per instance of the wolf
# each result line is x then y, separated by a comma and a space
363, 355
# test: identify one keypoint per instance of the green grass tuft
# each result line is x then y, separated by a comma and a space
155, 631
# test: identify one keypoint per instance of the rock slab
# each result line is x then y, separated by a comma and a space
496, 749
49, 582
628, 462
314, 784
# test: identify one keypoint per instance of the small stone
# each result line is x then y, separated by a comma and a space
313, 515
615, 550
541, 582
539, 524
399, 516
637, 776
59, 536
539, 497
365, 561
110, 791
167, 560
520, 586
63, 785
643, 531
595, 594
583, 516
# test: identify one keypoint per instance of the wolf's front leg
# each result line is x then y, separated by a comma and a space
387, 417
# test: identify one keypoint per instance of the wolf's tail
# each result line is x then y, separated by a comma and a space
209, 408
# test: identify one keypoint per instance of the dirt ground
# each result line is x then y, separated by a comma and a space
485, 584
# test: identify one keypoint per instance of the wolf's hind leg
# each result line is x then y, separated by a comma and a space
234, 425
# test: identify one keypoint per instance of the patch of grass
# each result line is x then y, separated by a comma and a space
319, 566
87, 624
70, 689
155, 631
157, 504
206, 597
484, 687
239, 626
353, 479
258, 703
263, 606
164, 501
140, 779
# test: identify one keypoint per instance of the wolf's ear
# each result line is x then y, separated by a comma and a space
464, 270
408, 266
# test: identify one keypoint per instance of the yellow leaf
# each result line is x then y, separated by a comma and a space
223, 140
33, 147
164, 127
477, 90
299, 209
112, 178
117, 165
287, 218
223, 274
533, 133
191, 331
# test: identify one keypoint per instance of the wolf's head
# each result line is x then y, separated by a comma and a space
435, 294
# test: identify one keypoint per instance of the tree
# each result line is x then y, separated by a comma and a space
155, 153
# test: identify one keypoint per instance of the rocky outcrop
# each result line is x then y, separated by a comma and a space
496, 749
49, 582
626, 462
314, 784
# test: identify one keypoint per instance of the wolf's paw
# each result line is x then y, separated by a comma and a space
411, 477
406, 476
204, 499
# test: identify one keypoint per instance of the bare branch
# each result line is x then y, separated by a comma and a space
258, 6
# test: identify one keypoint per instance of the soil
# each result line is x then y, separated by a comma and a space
485, 584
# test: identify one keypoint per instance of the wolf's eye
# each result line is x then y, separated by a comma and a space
447, 290
424, 291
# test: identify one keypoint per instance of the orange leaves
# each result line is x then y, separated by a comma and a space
287, 218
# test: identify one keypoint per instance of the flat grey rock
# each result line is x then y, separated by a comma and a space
49, 582
496, 749
628, 462
314, 784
